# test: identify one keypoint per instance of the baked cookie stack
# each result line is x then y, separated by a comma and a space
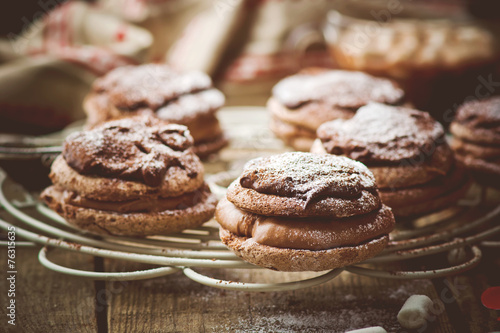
134, 177
304, 212
302, 102
407, 152
186, 98
476, 139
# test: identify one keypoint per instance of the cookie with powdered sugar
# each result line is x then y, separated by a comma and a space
304, 212
406, 150
476, 139
302, 102
186, 98
134, 177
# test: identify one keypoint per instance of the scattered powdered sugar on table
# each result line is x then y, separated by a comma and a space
337, 319
335, 307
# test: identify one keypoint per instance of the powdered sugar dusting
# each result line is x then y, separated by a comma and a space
153, 86
481, 113
191, 105
307, 176
381, 132
337, 88
138, 148
345, 303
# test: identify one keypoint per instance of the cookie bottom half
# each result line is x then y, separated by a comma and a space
296, 260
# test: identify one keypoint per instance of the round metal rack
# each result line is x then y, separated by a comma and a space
467, 227
200, 247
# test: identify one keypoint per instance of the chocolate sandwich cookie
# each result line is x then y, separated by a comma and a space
133, 177
407, 152
302, 102
186, 98
476, 139
304, 212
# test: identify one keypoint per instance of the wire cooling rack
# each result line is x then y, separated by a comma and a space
463, 229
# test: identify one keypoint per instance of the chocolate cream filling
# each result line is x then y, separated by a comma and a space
148, 204
403, 196
304, 233
481, 151
204, 128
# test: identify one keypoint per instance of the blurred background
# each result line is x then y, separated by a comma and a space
442, 52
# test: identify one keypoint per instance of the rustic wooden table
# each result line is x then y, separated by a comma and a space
50, 302
47, 301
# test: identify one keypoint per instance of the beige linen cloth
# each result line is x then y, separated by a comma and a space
245, 45
248, 45
46, 71
164, 19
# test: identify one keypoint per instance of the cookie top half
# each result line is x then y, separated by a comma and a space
383, 135
304, 184
336, 88
478, 121
139, 153
173, 95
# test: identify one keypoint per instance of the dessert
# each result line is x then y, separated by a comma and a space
476, 139
407, 152
134, 177
185, 98
304, 212
302, 102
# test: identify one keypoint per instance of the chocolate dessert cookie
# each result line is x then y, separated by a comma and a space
407, 152
302, 102
304, 212
134, 177
185, 98
476, 139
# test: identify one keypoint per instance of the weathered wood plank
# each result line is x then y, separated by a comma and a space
47, 301
467, 290
176, 304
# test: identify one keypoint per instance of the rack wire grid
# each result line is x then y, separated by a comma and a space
467, 227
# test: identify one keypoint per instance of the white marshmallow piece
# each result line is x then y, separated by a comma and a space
374, 329
414, 312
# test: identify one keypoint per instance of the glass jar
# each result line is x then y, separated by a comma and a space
435, 50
